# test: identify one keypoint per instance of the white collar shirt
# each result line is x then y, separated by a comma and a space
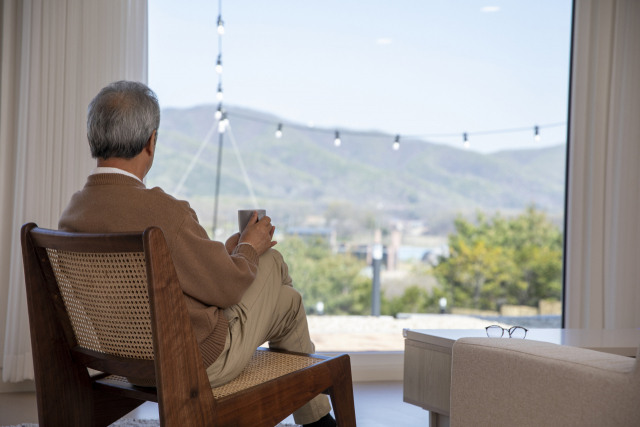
98, 170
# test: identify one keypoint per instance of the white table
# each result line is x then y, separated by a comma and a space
427, 359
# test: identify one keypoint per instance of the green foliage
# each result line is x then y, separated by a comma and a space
502, 261
493, 261
414, 300
320, 275
336, 280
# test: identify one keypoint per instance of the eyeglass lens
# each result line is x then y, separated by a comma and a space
495, 332
517, 332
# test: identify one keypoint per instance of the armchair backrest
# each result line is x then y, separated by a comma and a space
103, 286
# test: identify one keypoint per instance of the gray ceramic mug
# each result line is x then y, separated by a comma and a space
244, 216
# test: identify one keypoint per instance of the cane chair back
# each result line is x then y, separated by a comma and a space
106, 299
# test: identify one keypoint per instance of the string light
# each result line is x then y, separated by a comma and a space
465, 136
536, 133
218, 113
396, 143
279, 131
222, 124
219, 64
220, 25
337, 141
219, 94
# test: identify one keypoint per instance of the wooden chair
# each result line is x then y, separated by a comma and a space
113, 303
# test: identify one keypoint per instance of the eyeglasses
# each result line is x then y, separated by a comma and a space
495, 331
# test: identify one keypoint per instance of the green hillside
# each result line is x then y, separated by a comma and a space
303, 173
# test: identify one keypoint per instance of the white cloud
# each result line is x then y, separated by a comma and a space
383, 41
490, 8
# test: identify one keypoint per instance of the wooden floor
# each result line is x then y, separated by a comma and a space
378, 404
16, 408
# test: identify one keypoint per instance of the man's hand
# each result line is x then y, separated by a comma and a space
232, 242
258, 234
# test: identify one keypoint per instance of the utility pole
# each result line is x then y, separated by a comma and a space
220, 116
375, 289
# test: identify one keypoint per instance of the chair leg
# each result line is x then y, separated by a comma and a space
342, 393
63, 400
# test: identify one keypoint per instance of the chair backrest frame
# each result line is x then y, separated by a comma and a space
177, 367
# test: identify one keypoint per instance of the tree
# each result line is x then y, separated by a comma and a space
414, 300
500, 260
323, 276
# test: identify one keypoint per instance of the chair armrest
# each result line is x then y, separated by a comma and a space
509, 382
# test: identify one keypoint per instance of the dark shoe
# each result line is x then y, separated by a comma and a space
326, 421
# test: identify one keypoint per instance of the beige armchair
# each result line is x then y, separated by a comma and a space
508, 382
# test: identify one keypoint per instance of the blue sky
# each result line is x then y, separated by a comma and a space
408, 67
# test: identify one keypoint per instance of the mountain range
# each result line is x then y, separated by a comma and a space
303, 173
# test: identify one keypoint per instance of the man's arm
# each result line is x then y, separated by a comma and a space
232, 242
206, 270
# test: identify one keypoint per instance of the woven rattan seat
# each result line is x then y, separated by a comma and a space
264, 366
113, 303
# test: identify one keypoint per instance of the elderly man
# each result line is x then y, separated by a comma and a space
238, 294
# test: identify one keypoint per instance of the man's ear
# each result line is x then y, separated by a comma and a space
151, 144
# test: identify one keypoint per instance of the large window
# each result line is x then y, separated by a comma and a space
421, 146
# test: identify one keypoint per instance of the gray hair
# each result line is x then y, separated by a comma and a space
121, 119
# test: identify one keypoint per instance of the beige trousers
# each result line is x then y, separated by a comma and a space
271, 310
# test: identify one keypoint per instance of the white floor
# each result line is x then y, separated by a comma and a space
378, 404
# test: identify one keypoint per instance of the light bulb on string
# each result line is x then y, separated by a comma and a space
337, 141
396, 143
220, 25
536, 133
218, 113
465, 140
279, 131
219, 94
219, 64
222, 124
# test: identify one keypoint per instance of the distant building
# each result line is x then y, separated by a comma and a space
329, 234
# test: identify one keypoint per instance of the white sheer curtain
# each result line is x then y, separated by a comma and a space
603, 235
56, 55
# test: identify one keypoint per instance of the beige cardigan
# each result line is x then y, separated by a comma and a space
211, 279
